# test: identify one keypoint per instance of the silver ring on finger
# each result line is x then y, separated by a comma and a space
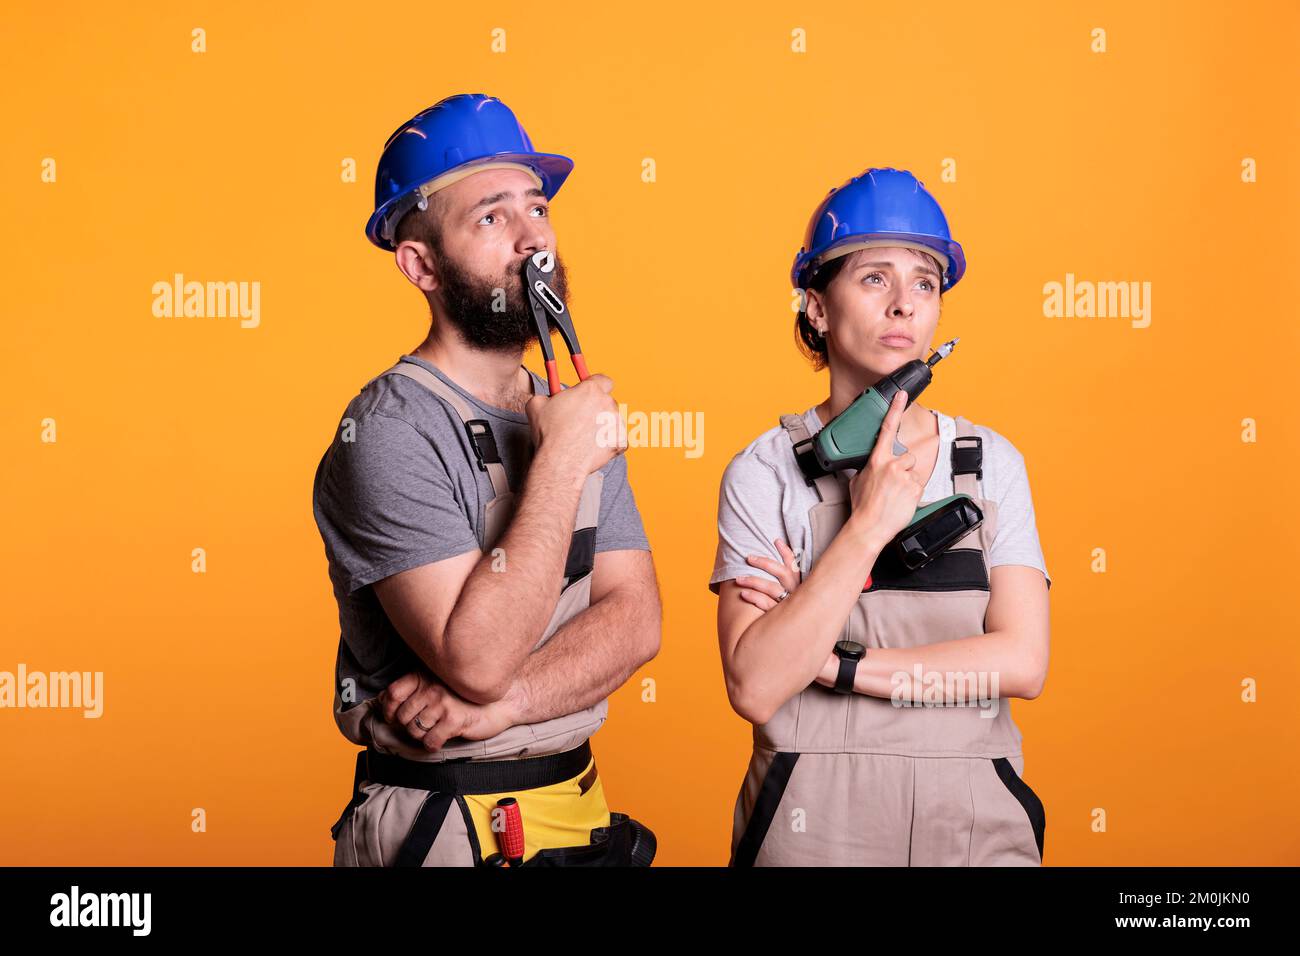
783, 595
419, 724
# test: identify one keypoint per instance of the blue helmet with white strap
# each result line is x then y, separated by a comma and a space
454, 138
881, 207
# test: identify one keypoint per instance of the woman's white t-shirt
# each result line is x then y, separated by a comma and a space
764, 496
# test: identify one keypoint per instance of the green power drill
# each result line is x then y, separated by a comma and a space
846, 442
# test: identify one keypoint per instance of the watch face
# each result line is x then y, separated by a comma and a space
850, 649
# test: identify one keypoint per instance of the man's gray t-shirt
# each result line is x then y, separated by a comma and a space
406, 491
764, 496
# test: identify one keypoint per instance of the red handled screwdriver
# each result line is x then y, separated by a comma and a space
511, 836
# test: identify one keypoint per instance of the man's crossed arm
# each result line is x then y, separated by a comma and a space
587, 657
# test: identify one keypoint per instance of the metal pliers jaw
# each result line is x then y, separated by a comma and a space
548, 307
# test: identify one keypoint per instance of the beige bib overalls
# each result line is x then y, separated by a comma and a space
854, 780
377, 826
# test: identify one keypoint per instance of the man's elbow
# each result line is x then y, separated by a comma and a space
651, 636
476, 684
639, 620
474, 676
649, 650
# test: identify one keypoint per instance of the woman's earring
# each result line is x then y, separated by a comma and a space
821, 333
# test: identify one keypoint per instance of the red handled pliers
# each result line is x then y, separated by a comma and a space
547, 308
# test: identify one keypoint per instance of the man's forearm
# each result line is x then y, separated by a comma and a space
509, 598
586, 659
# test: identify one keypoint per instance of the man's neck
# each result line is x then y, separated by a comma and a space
495, 378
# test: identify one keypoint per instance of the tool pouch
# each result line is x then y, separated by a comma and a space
625, 842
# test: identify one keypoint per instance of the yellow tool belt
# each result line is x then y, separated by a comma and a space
559, 815
559, 797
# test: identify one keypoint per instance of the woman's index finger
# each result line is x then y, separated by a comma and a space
893, 422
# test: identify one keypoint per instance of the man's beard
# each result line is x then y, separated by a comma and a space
493, 315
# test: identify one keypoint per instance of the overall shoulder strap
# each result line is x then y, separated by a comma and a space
479, 430
967, 460
828, 486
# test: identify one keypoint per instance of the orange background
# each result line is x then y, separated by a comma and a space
183, 433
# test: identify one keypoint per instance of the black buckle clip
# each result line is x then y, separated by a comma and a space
484, 442
967, 461
806, 459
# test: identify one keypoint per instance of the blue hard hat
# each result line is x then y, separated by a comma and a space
464, 130
879, 205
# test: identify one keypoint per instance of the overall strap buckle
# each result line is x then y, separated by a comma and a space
807, 461
484, 442
968, 459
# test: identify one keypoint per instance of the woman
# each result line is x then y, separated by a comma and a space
848, 670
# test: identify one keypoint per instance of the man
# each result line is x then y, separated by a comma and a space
493, 578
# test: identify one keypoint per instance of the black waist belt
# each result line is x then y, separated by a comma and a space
474, 776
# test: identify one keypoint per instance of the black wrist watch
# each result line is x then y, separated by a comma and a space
849, 653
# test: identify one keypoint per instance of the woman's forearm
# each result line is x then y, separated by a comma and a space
993, 664
782, 651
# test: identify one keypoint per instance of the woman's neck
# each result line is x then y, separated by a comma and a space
918, 422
